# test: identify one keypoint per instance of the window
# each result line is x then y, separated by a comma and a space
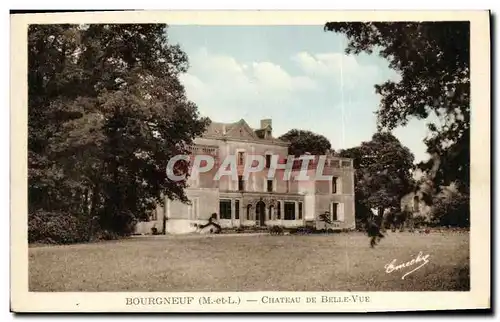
346, 164
334, 185
225, 209
236, 209
269, 185
300, 210
241, 158
241, 183
416, 205
289, 210
249, 209
268, 160
271, 208
334, 211
278, 212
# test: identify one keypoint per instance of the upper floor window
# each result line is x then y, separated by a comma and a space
241, 158
241, 183
334, 184
416, 204
346, 164
268, 160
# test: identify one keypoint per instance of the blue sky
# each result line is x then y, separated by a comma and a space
296, 75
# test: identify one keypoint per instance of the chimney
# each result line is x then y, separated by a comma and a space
267, 123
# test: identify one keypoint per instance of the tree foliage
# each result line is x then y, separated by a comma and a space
106, 111
451, 210
302, 142
432, 60
382, 173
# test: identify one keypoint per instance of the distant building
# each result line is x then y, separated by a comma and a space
415, 201
258, 201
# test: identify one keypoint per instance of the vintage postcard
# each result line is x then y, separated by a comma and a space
250, 161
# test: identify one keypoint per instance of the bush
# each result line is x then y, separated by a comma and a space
121, 222
276, 230
302, 231
106, 235
58, 228
453, 211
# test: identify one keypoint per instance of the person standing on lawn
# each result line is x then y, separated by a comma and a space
373, 231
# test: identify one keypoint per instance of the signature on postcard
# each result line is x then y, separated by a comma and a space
420, 260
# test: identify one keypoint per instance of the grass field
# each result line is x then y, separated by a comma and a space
339, 262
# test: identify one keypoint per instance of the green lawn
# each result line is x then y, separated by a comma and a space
340, 262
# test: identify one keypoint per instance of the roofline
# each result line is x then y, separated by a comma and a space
259, 141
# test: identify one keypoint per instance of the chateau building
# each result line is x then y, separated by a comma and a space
257, 200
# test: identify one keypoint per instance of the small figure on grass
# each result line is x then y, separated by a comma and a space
373, 231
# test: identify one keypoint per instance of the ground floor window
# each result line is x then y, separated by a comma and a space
236, 209
334, 211
300, 210
278, 210
249, 210
271, 209
289, 210
225, 209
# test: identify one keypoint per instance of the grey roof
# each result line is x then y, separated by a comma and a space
228, 130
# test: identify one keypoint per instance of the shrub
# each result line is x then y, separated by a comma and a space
420, 221
305, 230
58, 228
106, 235
276, 230
452, 211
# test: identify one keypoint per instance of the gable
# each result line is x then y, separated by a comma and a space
241, 130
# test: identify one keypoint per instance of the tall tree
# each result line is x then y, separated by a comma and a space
433, 61
106, 111
302, 142
383, 173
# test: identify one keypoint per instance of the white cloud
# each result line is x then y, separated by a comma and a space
212, 74
338, 67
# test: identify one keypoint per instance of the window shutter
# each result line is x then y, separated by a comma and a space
341, 212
